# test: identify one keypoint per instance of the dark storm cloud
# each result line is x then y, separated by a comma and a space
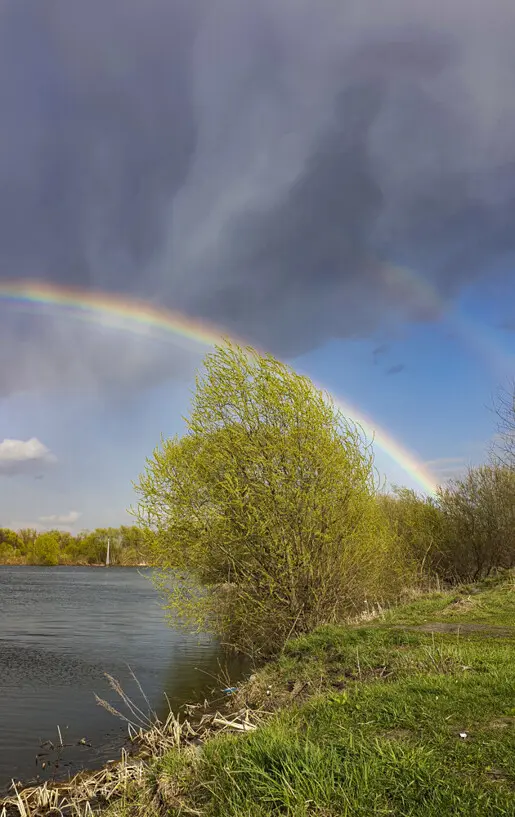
97, 136
254, 163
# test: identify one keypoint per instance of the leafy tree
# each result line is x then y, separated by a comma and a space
10, 545
267, 503
132, 545
479, 515
10, 540
45, 550
66, 542
419, 523
27, 537
92, 547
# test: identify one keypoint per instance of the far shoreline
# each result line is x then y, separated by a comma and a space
71, 564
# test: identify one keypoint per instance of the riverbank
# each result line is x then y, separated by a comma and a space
25, 563
409, 713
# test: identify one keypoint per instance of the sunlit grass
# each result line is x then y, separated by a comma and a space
491, 601
438, 740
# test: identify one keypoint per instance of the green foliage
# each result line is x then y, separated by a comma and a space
127, 547
467, 532
10, 539
92, 547
27, 537
418, 521
130, 545
479, 512
10, 545
268, 503
45, 550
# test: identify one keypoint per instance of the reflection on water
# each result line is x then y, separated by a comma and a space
61, 629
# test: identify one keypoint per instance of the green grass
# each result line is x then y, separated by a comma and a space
366, 721
491, 601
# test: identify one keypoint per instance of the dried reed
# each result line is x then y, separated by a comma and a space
151, 737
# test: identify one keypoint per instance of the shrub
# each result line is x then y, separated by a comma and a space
479, 513
419, 523
268, 503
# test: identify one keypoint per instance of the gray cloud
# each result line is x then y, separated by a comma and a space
253, 163
38, 353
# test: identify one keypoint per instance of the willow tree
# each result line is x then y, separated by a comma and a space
268, 504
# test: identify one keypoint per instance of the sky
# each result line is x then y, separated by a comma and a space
333, 182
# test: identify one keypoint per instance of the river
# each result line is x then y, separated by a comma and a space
61, 629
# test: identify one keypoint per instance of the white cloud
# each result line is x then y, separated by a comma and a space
62, 519
23, 456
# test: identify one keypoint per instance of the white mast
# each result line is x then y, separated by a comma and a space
107, 557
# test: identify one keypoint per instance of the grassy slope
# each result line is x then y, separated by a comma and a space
366, 721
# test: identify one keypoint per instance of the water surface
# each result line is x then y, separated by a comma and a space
61, 629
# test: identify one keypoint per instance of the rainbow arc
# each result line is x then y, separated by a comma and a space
137, 316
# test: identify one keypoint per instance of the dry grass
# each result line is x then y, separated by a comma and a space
151, 738
377, 610
76, 797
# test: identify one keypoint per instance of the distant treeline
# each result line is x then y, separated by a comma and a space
56, 547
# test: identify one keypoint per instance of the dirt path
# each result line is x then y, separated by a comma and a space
456, 627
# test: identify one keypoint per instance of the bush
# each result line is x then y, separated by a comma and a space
419, 523
479, 513
268, 503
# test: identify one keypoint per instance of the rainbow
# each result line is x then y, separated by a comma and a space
128, 314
